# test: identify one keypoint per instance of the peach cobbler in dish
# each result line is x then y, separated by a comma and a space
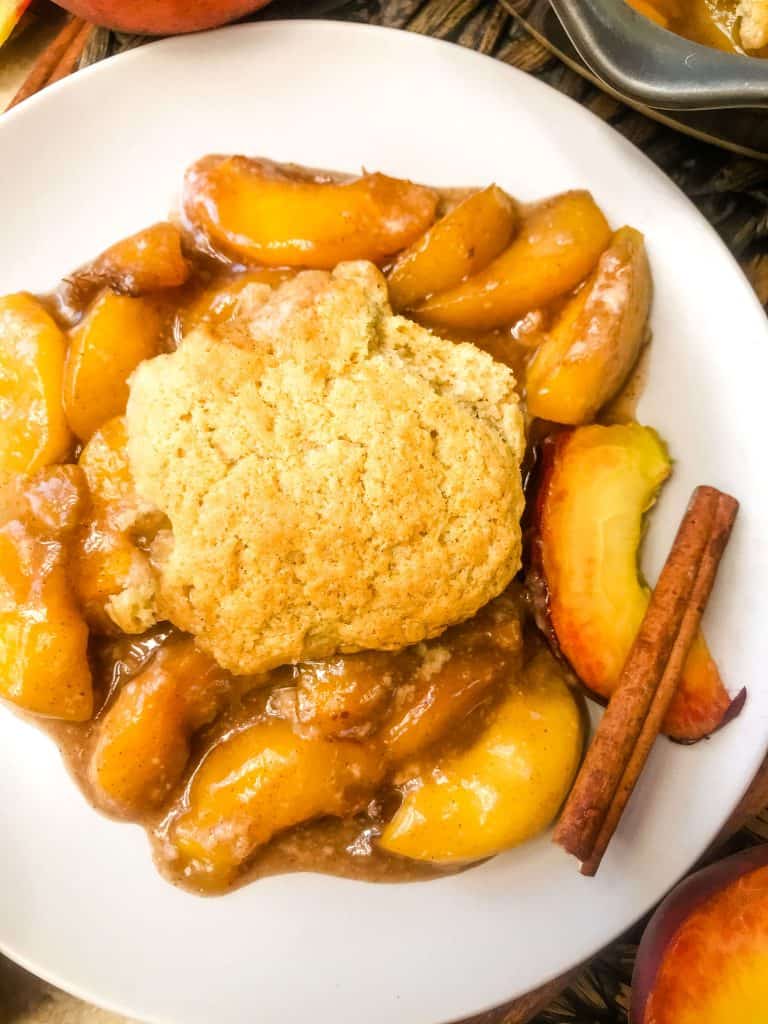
262, 571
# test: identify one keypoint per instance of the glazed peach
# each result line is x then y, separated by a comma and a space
142, 744
258, 782
346, 695
220, 302
558, 244
34, 431
116, 334
104, 460
109, 573
596, 485
43, 638
455, 675
506, 787
457, 246
149, 261
595, 339
257, 212
703, 958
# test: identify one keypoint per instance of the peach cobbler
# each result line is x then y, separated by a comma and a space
262, 569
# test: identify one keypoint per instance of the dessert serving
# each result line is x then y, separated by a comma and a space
737, 26
269, 572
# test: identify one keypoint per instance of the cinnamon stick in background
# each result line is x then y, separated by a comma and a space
72, 54
62, 53
650, 675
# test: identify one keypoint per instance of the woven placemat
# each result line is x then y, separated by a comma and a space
732, 193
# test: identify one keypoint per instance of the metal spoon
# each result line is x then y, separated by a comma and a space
657, 67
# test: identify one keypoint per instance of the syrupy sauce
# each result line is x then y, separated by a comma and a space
339, 846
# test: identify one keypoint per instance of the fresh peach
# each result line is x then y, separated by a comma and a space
258, 212
457, 246
558, 244
594, 342
161, 17
32, 348
595, 486
703, 958
116, 334
149, 261
43, 638
256, 783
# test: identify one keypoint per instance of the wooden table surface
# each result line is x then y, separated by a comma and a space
731, 191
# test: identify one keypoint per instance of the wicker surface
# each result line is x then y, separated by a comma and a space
732, 192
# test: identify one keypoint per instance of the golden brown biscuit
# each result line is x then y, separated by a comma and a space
336, 478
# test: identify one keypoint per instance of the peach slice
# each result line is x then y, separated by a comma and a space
32, 348
457, 246
458, 672
116, 335
105, 561
43, 638
258, 212
344, 696
142, 744
593, 344
506, 787
704, 956
258, 782
219, 303
596, 483
149, 261
558, 244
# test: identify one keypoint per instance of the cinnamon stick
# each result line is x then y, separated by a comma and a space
725, 515
603, 771
71, 56
45, 65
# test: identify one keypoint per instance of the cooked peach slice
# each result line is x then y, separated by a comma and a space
454, 675
457, 246
115, 336
258, 782
43, 638
33, 430
149, 261
596, 484
111, 576
704, 956
50, 503
257, 212
507, 786
142, 745
345, 696
595, 340
651, 11
104, 460
220, 302
558, 244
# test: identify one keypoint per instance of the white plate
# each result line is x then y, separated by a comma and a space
102, 155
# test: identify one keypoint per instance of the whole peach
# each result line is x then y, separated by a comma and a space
161, 17
703, 957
